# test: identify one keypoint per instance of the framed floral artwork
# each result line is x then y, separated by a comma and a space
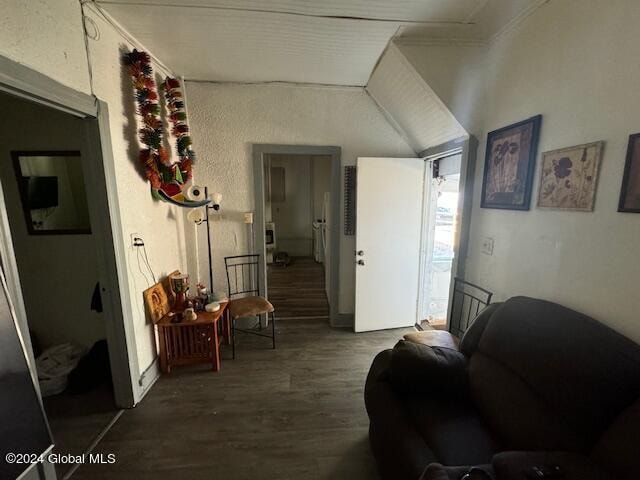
509, 165
569, 176
630, 193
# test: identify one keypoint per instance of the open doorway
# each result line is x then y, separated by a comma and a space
297, 197
297, 229
56, 246
439, 239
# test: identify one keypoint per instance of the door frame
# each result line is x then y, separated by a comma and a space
260, 151
467, 147
24, 82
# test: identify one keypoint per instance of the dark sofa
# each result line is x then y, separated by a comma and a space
532, 383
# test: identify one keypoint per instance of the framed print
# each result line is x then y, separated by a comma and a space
630, 193
569, 177
509, 165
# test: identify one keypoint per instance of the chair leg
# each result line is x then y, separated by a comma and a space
273, 329
260, 322
233, 338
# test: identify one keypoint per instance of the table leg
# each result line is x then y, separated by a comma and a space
227, 326
216, 348
163, 350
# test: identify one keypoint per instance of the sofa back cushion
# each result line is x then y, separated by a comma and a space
567, 375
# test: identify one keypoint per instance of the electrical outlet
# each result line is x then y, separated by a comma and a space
133, 236
487, 245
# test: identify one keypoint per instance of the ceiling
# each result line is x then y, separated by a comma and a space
335, 42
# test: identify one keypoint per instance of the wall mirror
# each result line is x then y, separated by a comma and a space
53, 193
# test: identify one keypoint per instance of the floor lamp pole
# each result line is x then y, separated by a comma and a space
206, 217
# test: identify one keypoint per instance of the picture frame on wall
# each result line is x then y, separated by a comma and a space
509, 166
569, 177
630, 191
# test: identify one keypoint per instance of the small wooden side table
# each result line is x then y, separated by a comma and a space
198, 341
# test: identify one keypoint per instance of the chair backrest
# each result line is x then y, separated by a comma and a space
243, 275
466, 302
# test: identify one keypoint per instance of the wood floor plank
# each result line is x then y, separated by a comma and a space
298, 289
296, 412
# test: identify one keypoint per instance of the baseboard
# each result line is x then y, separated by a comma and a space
148, 378
343, 320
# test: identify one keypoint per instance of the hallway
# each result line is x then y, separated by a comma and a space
298, 289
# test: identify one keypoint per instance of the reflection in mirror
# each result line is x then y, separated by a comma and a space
52, 189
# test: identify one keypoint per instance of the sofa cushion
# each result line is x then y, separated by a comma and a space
453, 429
573, 466
416, 368
433, 338
471, 338
521, 419
437, 471
618, 448
577, 369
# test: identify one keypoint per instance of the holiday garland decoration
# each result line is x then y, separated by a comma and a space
178, 117
167, 178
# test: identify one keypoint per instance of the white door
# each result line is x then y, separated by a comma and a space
388, 227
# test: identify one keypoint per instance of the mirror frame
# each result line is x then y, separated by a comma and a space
16, 154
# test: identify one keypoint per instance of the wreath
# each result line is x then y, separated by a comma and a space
166, 177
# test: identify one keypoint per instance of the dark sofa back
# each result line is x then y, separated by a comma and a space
547, 377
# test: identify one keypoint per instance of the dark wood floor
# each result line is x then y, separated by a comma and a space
76, 419
296, 412
298, 289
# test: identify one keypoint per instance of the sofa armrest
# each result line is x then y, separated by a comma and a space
400, 451
572, 466
416, 368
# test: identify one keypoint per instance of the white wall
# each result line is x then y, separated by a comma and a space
159, 224
292, 217
46, 35
227, 119
57, 272
411, 103
456, 73
321, 178
577, 66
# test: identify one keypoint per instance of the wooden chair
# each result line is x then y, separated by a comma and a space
244, 296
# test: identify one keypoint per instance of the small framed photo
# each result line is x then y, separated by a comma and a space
569, 177
630, 193
510, 161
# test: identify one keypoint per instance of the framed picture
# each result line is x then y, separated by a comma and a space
630, 193
569, 177
509, 165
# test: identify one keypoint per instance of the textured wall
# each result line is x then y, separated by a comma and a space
576, 68
227, 119
159, 224
46, 35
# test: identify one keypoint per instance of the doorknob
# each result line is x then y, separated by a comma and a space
360, 253
360, 262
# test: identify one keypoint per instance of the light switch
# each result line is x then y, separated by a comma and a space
487, 245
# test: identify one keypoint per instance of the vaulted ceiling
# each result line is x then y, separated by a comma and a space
335, 42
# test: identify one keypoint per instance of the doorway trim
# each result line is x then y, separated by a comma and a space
24, 82
259, 153
467, 147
